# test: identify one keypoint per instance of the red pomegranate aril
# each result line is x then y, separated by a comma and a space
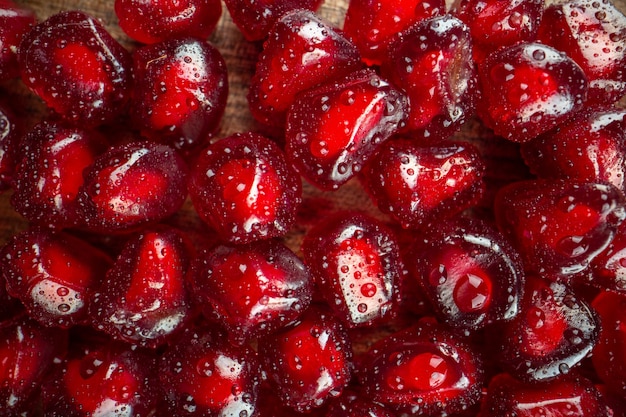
355, 260
27, 353
15, 21
372, 24
308, 362
432, 62
568, 396
609, 355
77, 68
53, 274
528, 89
553, 333
252, 290
243, 187
559, 226
422, 370
10, 134
471, 274
255, 18
592, 33
590, 146
301, 51
201, 374
132, 185
108, 378
498, 23
334, 129
144, 297
152, 21
50, 173
180, 92
416, 181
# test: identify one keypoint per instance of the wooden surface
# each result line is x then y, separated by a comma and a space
240, 57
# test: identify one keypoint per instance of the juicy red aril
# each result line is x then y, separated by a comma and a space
416, 182
243, 187
308, 362
15, 21
76, 67
332, 130
592, 33
372, 24
180, 92
10, 132
27, 352
252, 290
609, 355
498, 23
256, 18
470, 273
132, 185
432, 62
553, 332
590, 146
568, 396
356, 263
528, 89
153, 21
144, 299
423, 370
109, 378
53, 274
301, 51
559, 226
201, 374
50, 174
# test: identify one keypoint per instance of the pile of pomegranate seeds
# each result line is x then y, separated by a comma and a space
427, 219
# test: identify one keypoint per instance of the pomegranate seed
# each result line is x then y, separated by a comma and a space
50, 175
356, 264
132, 185
53, 274
415, 181
470, 273
308, 362
76, 67
152, 21
243, 187
252, 290
529, 88
559, 226
186, 108
288, 66
432, 62
144, 297
332, 130
592, 34
423, 370
255, 18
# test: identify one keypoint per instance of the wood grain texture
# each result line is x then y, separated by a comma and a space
240, 57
